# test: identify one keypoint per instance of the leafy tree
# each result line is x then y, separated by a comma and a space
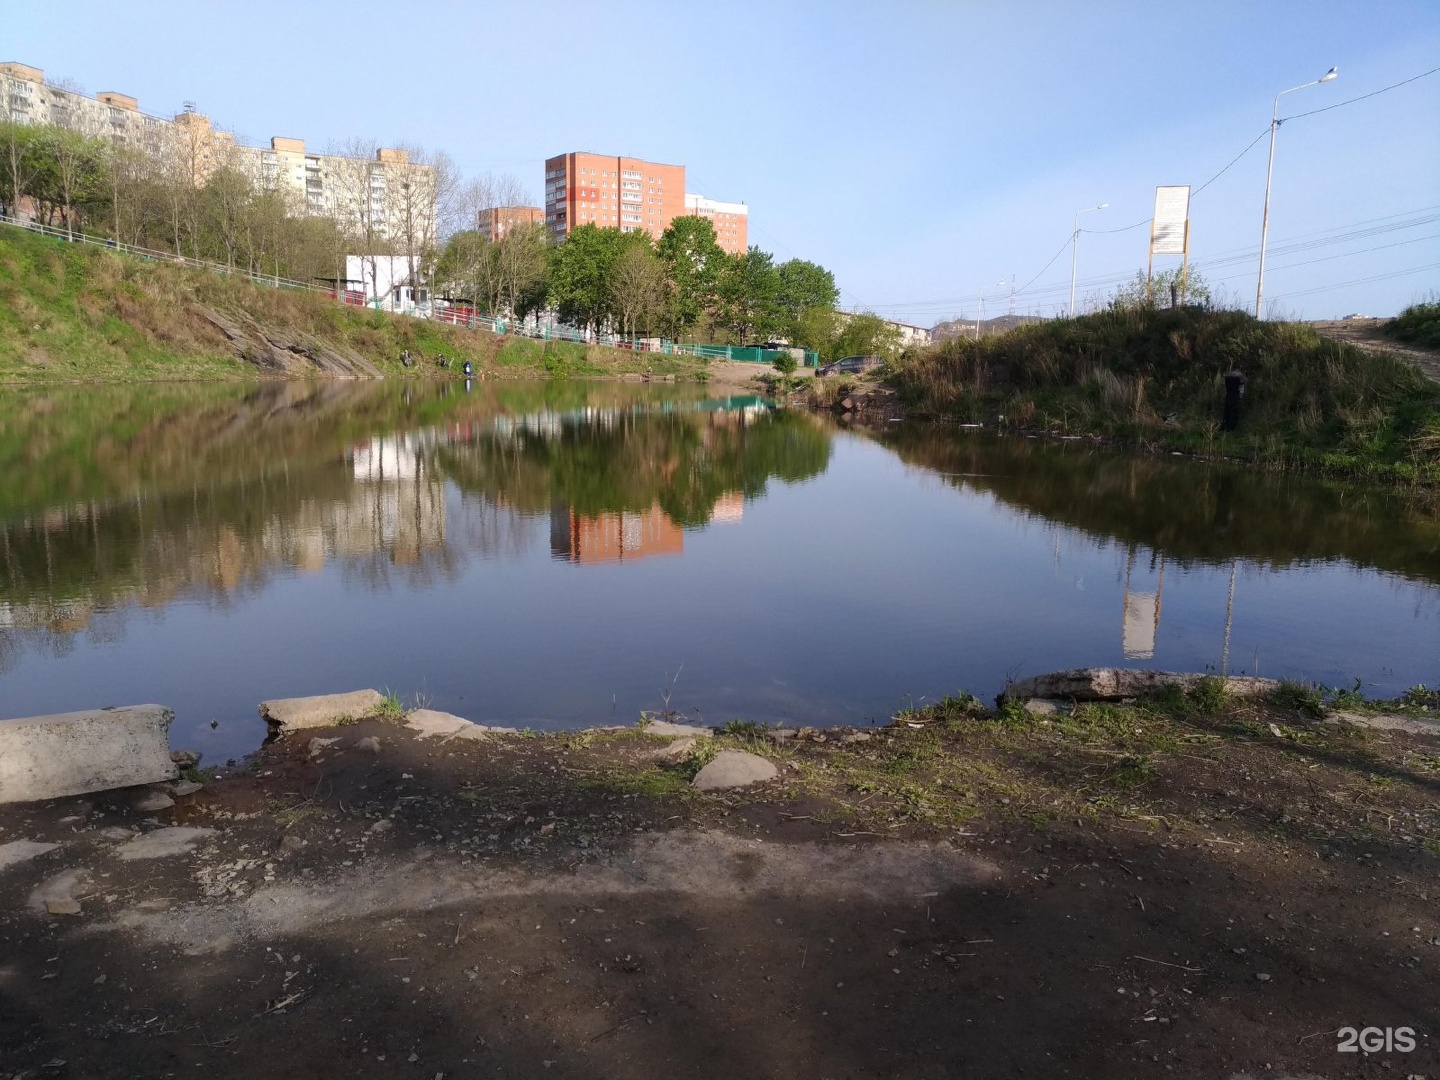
749, 292
865, 334
582, 271
803, 286
694, 261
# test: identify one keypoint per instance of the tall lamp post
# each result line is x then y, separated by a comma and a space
1275, 123
1075, 250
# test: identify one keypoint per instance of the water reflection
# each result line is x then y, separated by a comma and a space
207, 494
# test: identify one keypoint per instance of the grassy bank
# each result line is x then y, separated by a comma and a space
1155, 378
78, 313
1419, 324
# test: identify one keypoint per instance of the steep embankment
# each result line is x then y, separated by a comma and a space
78, 313
1155, 377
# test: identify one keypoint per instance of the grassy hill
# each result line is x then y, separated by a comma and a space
81, 313
1155, 377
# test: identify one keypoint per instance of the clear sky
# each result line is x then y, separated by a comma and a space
923, 151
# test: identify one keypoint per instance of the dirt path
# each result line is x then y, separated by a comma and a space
956, 898
1367, 334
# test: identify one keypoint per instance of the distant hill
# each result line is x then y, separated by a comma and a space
998, 325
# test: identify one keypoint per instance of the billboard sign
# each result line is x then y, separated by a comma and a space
1168, 232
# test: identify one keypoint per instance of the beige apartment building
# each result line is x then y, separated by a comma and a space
731, 221
387, 197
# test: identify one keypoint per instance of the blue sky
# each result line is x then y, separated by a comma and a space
923, 151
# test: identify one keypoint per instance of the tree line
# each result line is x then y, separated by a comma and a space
186, 193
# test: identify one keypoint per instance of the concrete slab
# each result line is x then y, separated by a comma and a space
162, 843
49, 757
323, 710
1413, 725
666, 728
18, 851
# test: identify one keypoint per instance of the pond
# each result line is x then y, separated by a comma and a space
567, 554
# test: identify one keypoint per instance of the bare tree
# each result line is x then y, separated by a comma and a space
637, 287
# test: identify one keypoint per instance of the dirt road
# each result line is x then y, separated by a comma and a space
973, 896
1367, 334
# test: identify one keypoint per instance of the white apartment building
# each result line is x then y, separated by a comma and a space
386, 197
731, 221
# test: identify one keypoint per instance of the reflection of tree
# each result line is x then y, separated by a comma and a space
1190, 512
684, 462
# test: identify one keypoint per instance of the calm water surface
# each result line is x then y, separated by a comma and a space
567, 554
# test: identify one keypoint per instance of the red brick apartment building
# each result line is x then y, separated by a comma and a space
496, 221
594, 189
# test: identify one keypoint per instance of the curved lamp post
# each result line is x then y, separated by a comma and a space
1275, 123
1075, 250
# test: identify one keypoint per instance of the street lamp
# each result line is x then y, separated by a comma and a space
1275, 123
1075, 250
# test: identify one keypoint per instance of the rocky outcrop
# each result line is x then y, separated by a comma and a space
287, 352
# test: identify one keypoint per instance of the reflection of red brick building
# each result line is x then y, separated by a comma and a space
612, 537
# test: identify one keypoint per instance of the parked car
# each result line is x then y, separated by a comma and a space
851, 365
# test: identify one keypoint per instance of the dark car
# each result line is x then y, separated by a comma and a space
851, 365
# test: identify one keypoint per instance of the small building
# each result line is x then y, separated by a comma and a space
387, 283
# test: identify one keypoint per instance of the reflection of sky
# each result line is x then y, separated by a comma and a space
831, 601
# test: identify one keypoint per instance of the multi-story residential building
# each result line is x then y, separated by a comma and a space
731, 221
387, 197
627, 193
495, 221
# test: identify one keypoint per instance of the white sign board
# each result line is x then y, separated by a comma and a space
1172, 211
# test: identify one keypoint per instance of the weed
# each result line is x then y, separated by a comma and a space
390, 710
1304, 698
1130, 772
1210, 695
749, 728
704, 753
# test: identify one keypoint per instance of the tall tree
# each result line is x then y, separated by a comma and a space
694, 261
749, 290
637, 286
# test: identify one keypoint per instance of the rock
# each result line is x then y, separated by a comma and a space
1414, 725
732, 769
186, 787
290, 844
855, 736
677, 751
46, 757
664, 727
318, 745
428, 723
1112, 684
152, 801
58, 891
1262, 977
18, 851
780, 734
325, 710
116, 833
162, 843
370, 743
1046, 707
186, 759
383, 825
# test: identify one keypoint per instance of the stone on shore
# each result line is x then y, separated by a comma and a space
153, 801
323, 710
664, 727
162, 843
677, 751
428, 723
48, 757
732, 769
1413, 725
1113, 684
18, 851
186, 787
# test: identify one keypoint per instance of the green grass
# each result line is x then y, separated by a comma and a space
1154, 378
81, 313
1418, 324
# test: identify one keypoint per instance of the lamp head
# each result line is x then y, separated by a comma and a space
1103, 206
1330, 74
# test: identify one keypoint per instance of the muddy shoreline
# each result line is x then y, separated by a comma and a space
1166, 888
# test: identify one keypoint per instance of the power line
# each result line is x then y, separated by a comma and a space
1362, 281
1233, 160
1362, 97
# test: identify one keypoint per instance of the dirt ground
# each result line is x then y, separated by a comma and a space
1368, 334
1170, 889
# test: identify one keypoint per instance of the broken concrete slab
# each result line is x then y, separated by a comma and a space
19, 851
49, 757
1413, 725
153, 801
58, 892
323, 710
162, 843
186, 787
1047, 707
1113, 684
428, 723
677, 751
664, 727
732, 769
